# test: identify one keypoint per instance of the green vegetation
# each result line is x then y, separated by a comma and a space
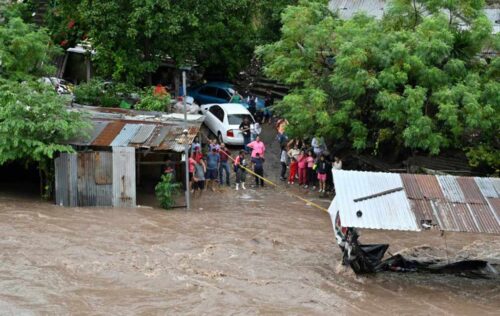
132, 38
34, 122
151, 102
165, 191
410, 82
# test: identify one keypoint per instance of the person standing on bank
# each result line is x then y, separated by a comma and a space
258, 168
302, 165
322, 170
224, 164
245, 130
257, 147
199, 177
213, 163
284, 162
241, 173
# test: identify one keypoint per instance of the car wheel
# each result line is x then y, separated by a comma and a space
219, 137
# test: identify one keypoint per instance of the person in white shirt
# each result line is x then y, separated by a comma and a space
337, 164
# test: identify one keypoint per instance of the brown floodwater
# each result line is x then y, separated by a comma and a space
239, 253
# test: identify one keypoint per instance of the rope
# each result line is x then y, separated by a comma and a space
308, 202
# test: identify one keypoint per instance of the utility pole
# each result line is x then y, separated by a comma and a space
186, 132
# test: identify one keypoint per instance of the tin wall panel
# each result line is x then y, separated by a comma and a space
108, 134
127, 133
429, 186
90, 193
143, 133
470, 190
124, 183
451, 189
66, 180
487, 187
103, 168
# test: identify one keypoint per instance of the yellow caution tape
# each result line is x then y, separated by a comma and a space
277, 186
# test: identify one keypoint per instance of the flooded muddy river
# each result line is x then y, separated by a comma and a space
241, 253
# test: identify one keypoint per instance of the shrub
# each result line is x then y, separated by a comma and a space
89, 93
151, 102
165, 191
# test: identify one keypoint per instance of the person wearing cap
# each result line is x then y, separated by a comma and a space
224, 164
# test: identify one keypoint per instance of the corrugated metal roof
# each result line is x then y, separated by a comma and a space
94, 131
445, 202
451, 189
127, 133
158, 137
108, 134
470, 190
175, 139
386, 211
143, 133
487, 187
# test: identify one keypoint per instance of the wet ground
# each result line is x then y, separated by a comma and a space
254, 251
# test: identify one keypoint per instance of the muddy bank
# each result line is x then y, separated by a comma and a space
254, 253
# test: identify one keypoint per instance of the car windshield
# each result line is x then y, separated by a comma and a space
236, 119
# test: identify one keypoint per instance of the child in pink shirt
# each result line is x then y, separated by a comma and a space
309, 170
302, 164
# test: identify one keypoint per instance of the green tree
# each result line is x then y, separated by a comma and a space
409, 82
34, 121
132, 38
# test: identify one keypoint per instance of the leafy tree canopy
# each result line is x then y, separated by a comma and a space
132, 38
412, 81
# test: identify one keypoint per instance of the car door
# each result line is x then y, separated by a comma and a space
213, 120
208, 94
223, 95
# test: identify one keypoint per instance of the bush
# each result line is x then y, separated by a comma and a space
165, 191
90, 92
151, 102
100, 93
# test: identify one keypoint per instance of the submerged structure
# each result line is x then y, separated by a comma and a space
123, 149
408, 202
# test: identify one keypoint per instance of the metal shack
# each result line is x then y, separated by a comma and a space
107, 165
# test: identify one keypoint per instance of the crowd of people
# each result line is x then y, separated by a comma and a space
306, 164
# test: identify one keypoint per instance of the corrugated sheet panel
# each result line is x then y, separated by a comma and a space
454, 217
175, 139
127, 133
495, 206
66, 180
103, 167
451, 189
159, 136
388, 211
487, 187
429, 186
124, 185
423, 211
92, 133
143, 134
411, 186
470, 190
89, 192
108, 134
485, 218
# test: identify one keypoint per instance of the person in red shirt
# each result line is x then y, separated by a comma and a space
293, 170
192, 162
302, 166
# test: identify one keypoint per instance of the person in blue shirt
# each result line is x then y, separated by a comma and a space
258, 168
213, 164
